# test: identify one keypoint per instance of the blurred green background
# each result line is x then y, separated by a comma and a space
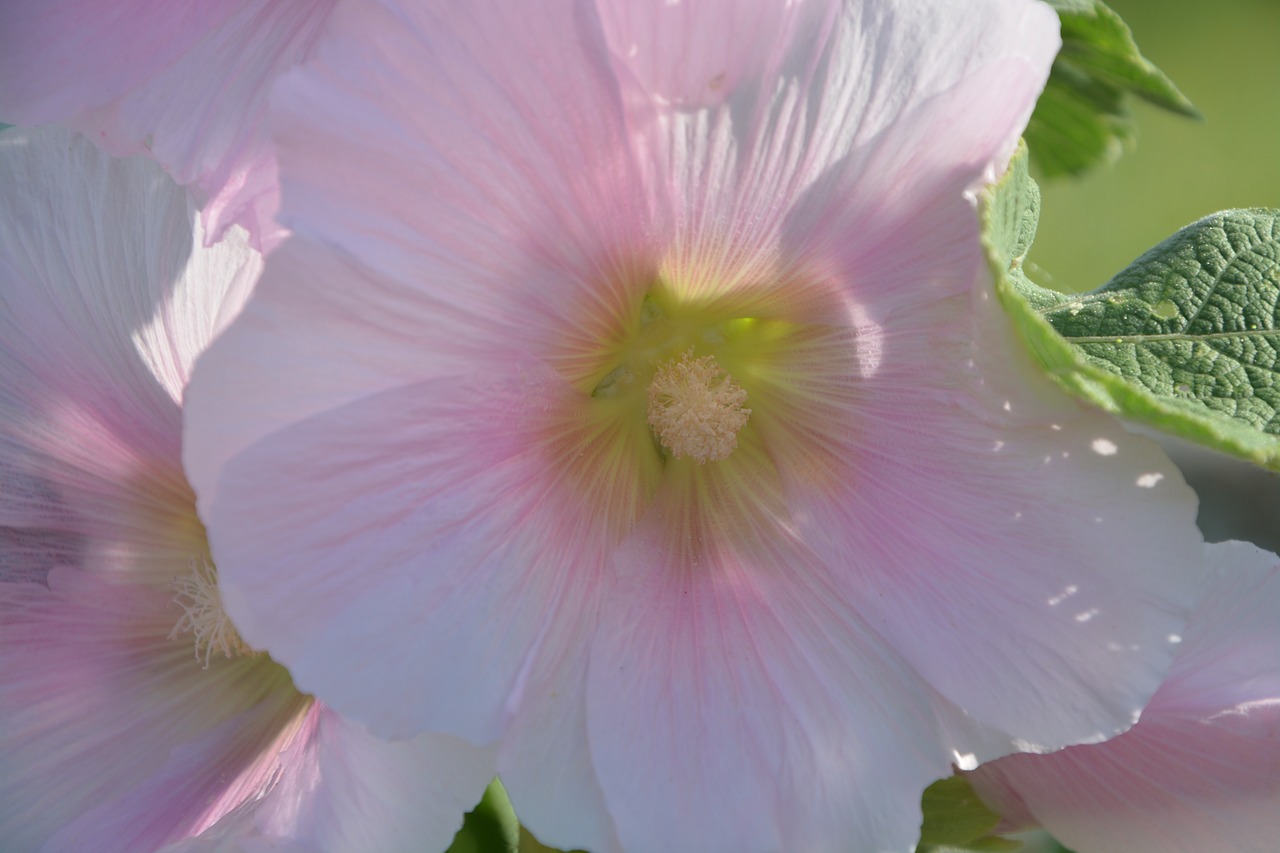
1225, 56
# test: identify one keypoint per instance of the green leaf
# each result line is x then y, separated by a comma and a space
491, 827
1185, 339
954, 816
1083, 116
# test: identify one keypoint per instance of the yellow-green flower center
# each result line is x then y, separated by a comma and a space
670, 372
691, 406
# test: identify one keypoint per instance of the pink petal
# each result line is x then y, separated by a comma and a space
186, 85
545, 757
458, 479
771, 132
112, 734
1199, 771
1027, 555
456, 100
735, 705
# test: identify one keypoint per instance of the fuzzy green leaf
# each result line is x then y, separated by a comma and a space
1185, 339
1192, 327
1083, 116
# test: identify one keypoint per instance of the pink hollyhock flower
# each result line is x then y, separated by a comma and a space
633, 368
1201, 769
132, 716
185, 83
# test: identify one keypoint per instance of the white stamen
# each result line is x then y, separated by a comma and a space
695, 408
203, 614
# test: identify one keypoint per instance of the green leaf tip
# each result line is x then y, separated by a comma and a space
1083, 116
1186, 339
956, 819
491, 827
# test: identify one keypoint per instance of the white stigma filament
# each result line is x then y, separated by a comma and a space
203, 614
695, 408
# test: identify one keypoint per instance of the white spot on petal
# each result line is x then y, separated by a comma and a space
1104, 447
1148, 481
1027, 746
1174, 638
1087, 615
1066, 593
967, 761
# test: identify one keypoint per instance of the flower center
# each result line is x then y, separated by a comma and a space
696, 409
204, 616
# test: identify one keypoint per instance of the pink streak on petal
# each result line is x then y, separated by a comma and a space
803, 147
